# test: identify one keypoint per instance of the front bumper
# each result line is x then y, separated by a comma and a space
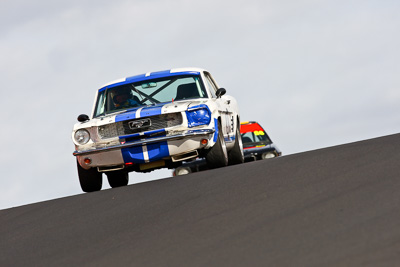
174, 147
145, 142
255, 153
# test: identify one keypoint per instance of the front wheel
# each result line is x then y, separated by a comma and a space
117, 178
217, 156
90, 180
236, 155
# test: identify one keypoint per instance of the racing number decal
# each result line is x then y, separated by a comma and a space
227, 124
259, 133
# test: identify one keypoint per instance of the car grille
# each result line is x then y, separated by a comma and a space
139, 125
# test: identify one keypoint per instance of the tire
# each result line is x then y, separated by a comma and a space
236, 155
91, 180
217, 156
117, 178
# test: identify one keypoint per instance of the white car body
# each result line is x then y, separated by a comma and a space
117, 143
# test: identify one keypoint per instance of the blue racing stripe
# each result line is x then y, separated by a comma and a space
157, 151
131, 114
216, 130
133, 154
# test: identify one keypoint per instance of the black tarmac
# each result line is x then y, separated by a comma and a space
338, 206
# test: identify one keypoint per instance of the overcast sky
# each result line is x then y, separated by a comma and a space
314, 73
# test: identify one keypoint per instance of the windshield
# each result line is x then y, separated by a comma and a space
255, 138
149, 92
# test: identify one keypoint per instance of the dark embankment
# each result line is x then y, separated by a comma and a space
338, 206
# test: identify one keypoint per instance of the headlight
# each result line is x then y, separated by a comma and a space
199, 116
268, 155
82, 136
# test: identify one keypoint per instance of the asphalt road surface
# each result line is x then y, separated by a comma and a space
337, 206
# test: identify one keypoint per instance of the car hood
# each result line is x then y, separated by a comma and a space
164, 108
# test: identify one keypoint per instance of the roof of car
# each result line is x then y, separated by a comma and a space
250, 126
152, 75
247, 122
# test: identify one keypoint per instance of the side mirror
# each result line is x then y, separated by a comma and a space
83, 118
220, 92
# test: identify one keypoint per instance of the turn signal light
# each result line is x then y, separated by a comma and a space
204, 141
87, 161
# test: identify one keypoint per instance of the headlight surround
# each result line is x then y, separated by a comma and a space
82, 136
199, 115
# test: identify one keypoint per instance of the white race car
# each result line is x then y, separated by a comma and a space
156, 120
